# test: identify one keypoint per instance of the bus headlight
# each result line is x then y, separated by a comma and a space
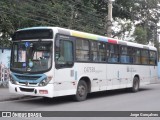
12, 80
45, 81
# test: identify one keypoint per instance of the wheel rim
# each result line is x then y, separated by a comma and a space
81, 91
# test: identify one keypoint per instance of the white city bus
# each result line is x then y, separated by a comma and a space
53, 61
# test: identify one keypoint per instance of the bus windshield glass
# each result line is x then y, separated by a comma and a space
30, 57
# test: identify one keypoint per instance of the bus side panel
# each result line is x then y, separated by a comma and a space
64, 83
118, 76
112, 76
143, 71
95, 72
153, 74
66, 80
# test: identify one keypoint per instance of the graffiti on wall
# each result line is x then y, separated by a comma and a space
4, 67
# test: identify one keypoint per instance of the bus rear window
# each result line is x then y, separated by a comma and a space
33, 34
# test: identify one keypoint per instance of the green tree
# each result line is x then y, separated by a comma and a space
140, 35
83, 15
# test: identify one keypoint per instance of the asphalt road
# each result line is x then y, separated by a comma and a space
147, 99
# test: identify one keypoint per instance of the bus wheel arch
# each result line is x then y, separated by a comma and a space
83, 88
88, 82
136, 83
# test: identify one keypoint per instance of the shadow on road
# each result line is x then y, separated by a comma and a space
111, 93
69, 99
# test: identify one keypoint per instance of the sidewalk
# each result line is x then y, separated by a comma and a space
5, 95
157, 81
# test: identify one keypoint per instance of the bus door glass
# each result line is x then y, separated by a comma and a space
64, 60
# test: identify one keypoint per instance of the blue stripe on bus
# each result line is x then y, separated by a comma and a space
41, 77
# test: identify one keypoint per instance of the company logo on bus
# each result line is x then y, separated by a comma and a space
26, 83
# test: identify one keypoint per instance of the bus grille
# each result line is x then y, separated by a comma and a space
24, 83
27, 77
26, 89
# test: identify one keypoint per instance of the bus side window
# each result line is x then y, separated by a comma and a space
136, 56
152, 58
82, 50
123, 54
101, 52
126, 54
145, 57
66, 52
113, 53
94, 51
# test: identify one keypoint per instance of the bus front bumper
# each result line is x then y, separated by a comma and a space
45, 91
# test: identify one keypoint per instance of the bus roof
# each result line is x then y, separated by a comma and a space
91, 36
102, 38
31, 28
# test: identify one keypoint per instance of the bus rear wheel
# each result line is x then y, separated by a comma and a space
82, 90
135, 87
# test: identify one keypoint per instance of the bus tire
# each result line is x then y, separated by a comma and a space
82, 90
135, 86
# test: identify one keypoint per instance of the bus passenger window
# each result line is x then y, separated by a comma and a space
82, 50
126, 54
102, 52
152, 58
113, 53
123, 56
94, 51
136, 56
144, 57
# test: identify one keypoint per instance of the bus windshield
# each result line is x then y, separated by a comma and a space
30, 57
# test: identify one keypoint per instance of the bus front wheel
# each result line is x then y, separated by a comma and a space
81, 93
135, 86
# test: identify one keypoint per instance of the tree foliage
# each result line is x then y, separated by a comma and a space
83, 15
147, 12
140, 35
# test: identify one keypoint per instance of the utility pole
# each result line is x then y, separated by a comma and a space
109, 19
157, 40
